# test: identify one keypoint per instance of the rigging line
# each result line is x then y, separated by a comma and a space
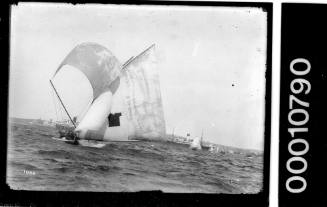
54, 104
62, 104
59, 110
62, 113
133, 58
60, 118
128, 61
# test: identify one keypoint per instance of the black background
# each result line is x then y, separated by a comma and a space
304, 35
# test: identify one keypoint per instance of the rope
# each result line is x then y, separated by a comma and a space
57, 108
54, 104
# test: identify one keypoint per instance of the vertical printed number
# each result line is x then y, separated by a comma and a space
300, 61
302, 83
298, 117
298, 179
298, 101
300, 152
298, 112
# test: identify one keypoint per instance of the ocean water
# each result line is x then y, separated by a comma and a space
38, 162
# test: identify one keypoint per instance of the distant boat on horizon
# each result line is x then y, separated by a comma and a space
197, 144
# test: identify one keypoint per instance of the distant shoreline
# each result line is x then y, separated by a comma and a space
169, 136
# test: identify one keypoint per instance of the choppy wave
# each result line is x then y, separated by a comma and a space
124, 166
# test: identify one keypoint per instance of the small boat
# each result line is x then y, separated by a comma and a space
197, 144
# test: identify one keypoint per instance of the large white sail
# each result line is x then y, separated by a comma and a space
143, 98
127, 102
97, 63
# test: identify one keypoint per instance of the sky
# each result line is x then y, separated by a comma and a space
211, 62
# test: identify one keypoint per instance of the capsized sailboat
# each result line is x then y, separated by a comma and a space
126, 103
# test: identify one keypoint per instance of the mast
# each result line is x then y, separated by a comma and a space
128, 61
201, 137
62, 103
133, 58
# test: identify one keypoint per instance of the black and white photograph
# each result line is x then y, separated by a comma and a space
129, 98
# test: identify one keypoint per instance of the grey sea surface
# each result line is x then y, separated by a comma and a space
38, 162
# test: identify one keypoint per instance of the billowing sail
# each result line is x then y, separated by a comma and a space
98, 64
136, 111
143, 97
127, 102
